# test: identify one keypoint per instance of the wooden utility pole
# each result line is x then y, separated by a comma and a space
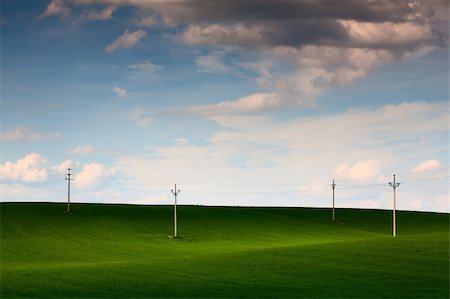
394, 185
175, 192
68, 179
334, 214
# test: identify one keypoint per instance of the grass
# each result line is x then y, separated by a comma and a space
124, 251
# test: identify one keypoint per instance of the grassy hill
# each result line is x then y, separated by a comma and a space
124, 251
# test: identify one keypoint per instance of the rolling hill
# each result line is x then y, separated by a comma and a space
124, 251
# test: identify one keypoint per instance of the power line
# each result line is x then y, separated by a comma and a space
428, 179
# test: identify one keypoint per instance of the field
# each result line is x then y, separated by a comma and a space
124, 251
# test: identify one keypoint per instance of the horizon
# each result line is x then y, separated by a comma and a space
253, 104
208, 206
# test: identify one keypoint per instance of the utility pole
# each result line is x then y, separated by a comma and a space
394, 185
175, 192
334, 214
68, 179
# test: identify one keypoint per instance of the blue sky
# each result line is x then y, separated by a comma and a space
239, 103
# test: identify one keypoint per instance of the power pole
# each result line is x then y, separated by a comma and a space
175, 192
334, 214
68, 179
394, 185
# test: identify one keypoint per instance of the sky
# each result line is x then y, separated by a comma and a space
240, 103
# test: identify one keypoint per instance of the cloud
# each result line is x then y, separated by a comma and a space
303, 47
26, 134
317, 68
387, 34
141, 116
252, 151
20, 192
56, 7
309, 31
104, 14
127, 40
119, 197
361, 170
30, 168
444, 202
219, 34
121, 92
63, 166
82, 150
252, 103
329, 48
64, 8
147, 21
145, 67
212, 63
426, 166
312, 69
143, 70
292, 23
87, 176
92, 175
151, 200
180, 12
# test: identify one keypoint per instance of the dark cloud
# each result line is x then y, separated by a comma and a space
266, 34
248, 10
306, 31
294, 23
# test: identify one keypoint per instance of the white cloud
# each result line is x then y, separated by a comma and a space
387, 34
212, 63
56, 7
252, 103
317, 69
19, 192
127, 40
26, 134
143, 70
141, 116
124, 197
149, 200
145, 67
104, 14
147, 21
180, 141
221, 34
30, 168
82, 150
63, 166
284, 155
427, 166
121, 92
361, 170
334, 49
92, 175
444, 202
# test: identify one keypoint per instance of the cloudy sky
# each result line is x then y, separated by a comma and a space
238, 102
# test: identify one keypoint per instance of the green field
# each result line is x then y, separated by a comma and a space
124, 251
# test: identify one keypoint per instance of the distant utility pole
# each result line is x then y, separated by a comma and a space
68, 179
394, 185
175, 192
334, 214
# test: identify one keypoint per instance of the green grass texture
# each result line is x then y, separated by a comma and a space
123, 251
